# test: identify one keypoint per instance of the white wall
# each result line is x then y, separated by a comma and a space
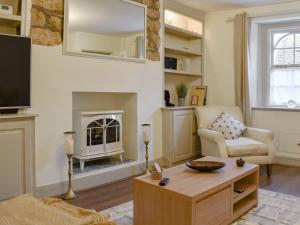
219, 65
219, 49
55, 77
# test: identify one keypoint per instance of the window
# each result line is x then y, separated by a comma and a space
284, 71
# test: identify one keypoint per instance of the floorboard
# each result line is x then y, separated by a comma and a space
284, 179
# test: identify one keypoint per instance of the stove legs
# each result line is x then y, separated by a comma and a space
82, 162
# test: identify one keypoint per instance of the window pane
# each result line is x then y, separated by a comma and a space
283, 56
284, 86
286, 42
297, 55
277, 36
298, 40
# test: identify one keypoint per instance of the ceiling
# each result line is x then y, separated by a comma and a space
105, 16
214, 5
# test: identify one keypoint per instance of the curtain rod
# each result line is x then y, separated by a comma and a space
261, 15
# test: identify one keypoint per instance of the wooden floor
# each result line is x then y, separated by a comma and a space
284, 179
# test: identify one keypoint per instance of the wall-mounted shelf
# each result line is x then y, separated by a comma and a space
181, 32
186, 52
186, 73
10, 17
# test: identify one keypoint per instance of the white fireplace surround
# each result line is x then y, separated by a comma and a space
99, 134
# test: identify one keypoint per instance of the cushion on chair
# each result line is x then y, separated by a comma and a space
208, 114
228, 126
243, 146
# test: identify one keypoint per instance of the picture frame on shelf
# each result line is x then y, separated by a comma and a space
198, 95
194, 100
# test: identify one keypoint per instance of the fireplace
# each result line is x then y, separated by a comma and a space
98, 135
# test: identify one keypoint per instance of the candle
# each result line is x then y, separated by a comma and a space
69, 143
146, 132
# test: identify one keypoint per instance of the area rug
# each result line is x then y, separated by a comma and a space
273, 209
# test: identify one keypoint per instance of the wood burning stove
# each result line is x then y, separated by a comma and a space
98, 135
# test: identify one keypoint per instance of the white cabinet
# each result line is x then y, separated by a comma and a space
179, 134
17, 171
288, 145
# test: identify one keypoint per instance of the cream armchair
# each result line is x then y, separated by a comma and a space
255, 146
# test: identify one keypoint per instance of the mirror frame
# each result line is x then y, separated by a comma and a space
108, 57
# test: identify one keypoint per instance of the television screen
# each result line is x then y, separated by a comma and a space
15, 68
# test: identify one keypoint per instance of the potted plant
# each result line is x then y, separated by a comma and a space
181, 90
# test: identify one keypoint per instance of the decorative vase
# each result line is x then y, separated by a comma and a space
181, 101
240, 162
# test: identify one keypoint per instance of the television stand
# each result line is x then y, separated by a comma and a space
9, 111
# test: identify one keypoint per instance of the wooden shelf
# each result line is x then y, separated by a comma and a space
243, 206
182, 51
181, 32
248, 189
185, 73
10, 17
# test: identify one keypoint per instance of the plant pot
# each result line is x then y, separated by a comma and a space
181, 101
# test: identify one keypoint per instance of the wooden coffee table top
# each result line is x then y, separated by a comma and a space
195, 185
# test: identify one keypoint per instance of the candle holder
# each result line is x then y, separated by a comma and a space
69, 148
147, 172
69, 195
147, 139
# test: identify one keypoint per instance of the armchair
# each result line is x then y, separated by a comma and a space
255, 145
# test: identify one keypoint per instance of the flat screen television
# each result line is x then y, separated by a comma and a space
15, 72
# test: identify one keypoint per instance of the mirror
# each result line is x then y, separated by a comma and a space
105, 28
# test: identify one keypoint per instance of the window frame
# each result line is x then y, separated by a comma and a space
272, 48
270, 59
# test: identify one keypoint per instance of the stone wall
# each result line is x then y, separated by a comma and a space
47, 24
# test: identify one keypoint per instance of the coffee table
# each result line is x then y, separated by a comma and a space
194, 198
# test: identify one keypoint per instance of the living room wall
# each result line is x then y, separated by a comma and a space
219, 66
219, 49
54, 78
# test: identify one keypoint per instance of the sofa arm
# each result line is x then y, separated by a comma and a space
259, 134
211, 135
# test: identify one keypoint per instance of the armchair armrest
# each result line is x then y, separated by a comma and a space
212, 143
211, 135
259, 134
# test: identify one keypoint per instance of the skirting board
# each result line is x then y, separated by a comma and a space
287, 161
93, 179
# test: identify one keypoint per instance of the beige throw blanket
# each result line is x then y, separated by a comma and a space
26, 210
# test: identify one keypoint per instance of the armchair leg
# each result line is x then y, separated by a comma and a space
269, 170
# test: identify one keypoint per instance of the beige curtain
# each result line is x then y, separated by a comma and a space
242, 95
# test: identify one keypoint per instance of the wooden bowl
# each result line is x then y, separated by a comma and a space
205, 166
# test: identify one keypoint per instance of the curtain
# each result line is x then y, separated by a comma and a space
242, 95
284, 85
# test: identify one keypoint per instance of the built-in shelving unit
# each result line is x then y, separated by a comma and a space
183, 42
14, 23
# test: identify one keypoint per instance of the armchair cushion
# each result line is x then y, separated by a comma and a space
228, 126
242, 147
